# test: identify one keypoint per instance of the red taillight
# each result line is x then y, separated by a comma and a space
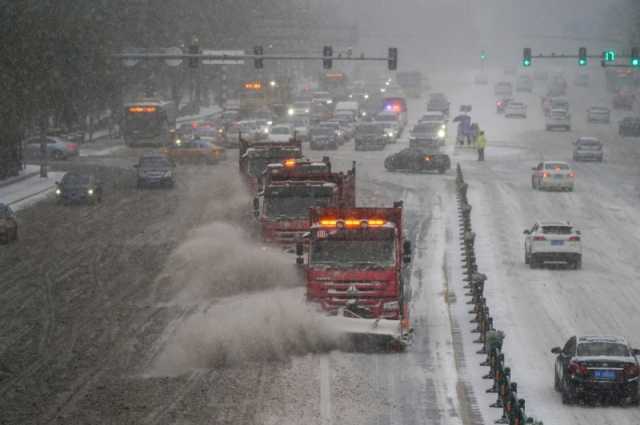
545, 174
574, 238
572, 174
631, 370
72, 146
576, 368
499, 103
539, 238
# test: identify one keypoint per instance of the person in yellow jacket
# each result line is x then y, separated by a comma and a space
481, 144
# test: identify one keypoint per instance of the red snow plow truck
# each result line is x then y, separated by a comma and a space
355, 270
293, 186
254, 158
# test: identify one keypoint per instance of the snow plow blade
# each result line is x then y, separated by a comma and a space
357, 334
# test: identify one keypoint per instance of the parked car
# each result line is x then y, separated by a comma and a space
629, 127
57, 148
8, 224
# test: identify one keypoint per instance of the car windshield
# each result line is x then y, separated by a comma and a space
426, 128
386, 118
281, 130
154, 162
556, 166
322, 131
72, 180
370, 130
557, 230
589, 144
353, 252
558, 114
602, 348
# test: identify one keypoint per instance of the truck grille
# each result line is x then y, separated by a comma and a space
289, 236
354, 288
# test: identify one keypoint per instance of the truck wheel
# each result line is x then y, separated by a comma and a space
556, 382
533, 262
442, 170
533, 184
577, 263
526, 258
567, 398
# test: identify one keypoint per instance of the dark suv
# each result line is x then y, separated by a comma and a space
597, 368
154, 169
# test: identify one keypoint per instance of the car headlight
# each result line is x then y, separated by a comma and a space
58, 192
269, 122
441, 133
329, 101
90, 192
167, 174
266, 131
366, 96
364, 114
290, 111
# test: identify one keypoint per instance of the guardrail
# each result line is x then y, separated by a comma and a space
513, 408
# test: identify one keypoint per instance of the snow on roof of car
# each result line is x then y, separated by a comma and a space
558, 223
602, 338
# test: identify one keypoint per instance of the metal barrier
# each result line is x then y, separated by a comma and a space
513, 408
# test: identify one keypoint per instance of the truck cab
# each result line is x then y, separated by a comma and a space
291, 188
255, 157
354, 269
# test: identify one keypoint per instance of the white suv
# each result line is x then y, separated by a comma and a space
552, 242
553, 175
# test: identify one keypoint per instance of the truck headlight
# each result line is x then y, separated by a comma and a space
58, 192
441, 133
90, 192
290, 111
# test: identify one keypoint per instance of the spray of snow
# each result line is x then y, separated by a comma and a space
271, 325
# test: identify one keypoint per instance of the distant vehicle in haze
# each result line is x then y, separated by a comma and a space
8, 224
57, 148
588, 149
524, 84
558, 118
438, 102
553, 175
515, 109
623, 100
629, 127
599, 114
503, 89
415, 159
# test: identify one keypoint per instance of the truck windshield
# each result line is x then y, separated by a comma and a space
353, 252
295, 205
143, 123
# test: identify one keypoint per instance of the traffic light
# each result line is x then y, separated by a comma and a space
392, 62
483, 55
327, 52
526, 56
194, 49
635, 57
582, 56
609, 55
258, 62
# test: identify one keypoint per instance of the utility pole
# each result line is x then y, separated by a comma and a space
43, 146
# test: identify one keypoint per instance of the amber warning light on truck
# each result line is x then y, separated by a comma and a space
329, 222
138, 109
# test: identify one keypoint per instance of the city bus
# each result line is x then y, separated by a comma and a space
149, 123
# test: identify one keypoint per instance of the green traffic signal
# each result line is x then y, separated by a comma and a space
609, 56
526, 62
582, 62
483, 55
635, 57
526, 56
582, 56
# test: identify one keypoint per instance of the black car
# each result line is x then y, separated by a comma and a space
597, 369
629, 127
323, 138
370, 136
438, 102
75, 187
418, 160
8, 224
154, 169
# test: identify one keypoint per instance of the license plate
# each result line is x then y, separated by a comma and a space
557, 243
608, 375
558, 176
